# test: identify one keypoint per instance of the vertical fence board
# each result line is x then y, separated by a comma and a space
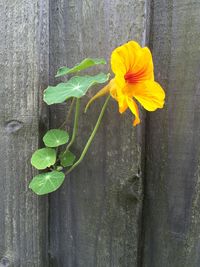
171, 212
23, 72
95, 216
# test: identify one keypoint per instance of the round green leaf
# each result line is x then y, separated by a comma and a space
67, 159
77, 87
55, 137
47, 182
43, 158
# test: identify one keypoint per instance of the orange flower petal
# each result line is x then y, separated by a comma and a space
134, 109
133, 59
128, 53
121, 60
117, 62
122, 104
149, 93
143, 65
118, 95
115, 90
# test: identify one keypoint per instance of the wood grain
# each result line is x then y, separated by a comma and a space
23, 73
171, 213
95, 217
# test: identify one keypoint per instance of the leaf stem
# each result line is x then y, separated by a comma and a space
68, 114
91, 137
76, 117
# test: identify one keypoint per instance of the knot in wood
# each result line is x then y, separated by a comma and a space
4, 262
13, 126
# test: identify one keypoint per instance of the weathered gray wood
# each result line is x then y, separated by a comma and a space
23, 73
172, 204
95, 216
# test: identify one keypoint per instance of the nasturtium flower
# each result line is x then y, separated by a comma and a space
134, 80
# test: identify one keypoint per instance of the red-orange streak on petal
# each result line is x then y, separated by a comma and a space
131, 77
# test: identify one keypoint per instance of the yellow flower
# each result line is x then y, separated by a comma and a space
134, 79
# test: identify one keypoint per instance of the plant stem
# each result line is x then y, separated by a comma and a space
75, 124
91, 137
68, 114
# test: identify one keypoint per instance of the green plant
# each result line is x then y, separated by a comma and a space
56, 159
133, 81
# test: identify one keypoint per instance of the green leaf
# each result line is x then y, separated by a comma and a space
76, 87
86, 63
67, 159
46, 182
43, 158
55, 137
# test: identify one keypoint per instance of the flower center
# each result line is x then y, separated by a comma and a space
131, 77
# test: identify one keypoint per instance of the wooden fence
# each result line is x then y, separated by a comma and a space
135, 201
